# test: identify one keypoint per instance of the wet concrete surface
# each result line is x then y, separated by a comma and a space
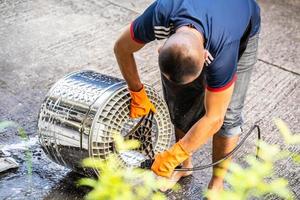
40, 41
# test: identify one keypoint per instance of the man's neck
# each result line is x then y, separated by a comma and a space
193, 30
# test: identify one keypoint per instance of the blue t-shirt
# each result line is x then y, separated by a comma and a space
225, 24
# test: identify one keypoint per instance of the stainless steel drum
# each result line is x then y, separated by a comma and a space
82, 111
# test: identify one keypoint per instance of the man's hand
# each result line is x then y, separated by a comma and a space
140, 104
165, 162
124, 49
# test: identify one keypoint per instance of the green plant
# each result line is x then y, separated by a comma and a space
22, 134
116, 182
258, 179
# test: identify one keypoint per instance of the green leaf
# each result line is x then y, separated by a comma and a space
257, 179
158, 196
122, 145
120, 183
93, 163
23, 134
6, 124
286, 133
95, 195
280, 187
268, 152
296, 158
28, 154
87, 182
131, 144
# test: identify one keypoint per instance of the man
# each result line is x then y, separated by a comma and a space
206, 63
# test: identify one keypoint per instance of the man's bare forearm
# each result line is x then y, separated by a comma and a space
124, 49
216, 105
129, 70
200, 132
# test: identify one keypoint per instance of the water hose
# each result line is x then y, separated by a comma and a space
230, 153
148, 163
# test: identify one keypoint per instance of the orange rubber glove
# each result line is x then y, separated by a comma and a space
140, 104
165, 162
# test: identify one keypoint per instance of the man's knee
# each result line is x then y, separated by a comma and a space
179, 133
230, 131
232, 125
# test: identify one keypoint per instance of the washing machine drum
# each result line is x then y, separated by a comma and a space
83, 110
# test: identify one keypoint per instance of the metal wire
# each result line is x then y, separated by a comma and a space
229, 154
148, 163
146, 131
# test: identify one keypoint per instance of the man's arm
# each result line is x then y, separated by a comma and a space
125, 46
124, 49
216, 104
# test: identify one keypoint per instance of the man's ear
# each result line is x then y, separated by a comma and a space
207, 57
159, 49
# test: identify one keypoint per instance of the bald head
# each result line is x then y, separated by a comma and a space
181, 58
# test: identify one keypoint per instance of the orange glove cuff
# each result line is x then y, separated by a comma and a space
166, 161
140, 104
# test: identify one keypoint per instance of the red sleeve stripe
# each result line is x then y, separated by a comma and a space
132, 35
224, 87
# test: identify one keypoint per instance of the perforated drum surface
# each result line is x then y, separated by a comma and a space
81, 113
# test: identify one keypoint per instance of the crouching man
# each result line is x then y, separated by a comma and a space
206, 64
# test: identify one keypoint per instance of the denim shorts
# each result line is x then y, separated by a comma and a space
186, 102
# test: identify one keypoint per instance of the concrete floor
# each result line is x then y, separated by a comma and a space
40, 41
